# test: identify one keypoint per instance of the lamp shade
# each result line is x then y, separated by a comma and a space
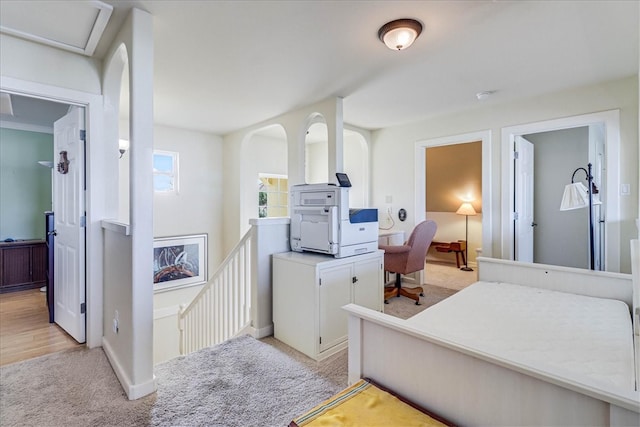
466, 209
576, 196
123, 144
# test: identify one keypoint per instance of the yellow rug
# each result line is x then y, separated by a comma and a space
364, 404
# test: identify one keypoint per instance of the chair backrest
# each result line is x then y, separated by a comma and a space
420, 240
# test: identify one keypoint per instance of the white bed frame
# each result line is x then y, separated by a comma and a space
470, 387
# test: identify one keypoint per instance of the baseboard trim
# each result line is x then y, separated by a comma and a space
263, 332
267, 331
133, 391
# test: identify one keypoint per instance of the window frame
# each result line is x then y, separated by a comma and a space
262, 175
173, 174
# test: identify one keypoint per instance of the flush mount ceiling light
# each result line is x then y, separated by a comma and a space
400, 34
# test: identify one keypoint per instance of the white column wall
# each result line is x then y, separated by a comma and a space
130, 350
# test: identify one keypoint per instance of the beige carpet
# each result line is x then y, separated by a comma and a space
241, 382
448, 275
442, 281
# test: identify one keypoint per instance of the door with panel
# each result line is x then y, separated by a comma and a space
524, 221
368, 284
69, 208
335, 292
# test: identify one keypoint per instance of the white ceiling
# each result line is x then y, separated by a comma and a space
224, 65
32, 114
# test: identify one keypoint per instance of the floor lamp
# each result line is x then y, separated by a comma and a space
577, 196
466, 209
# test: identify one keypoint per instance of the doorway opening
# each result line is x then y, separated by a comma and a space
29, 130
441, 191
556, 155
565, 144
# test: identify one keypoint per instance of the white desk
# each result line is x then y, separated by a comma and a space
397, 238
391, 237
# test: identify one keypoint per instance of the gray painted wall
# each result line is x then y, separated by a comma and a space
560, 238
25, 186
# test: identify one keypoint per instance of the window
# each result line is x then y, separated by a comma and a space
273, 195
165, 172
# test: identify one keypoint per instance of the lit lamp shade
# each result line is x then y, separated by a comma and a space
123, 144
576, 196
466, 209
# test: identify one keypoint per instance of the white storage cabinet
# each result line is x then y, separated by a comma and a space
310, 289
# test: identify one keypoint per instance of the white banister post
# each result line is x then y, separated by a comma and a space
181, 327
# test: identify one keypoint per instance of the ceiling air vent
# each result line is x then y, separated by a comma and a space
70, 25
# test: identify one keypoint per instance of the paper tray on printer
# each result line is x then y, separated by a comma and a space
363, 215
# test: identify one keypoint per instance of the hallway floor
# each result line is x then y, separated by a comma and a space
25, 331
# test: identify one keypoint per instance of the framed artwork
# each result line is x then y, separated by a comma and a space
179, 261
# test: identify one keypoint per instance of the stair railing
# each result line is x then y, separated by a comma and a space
222, 309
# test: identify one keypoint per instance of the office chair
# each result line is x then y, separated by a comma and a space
408, 258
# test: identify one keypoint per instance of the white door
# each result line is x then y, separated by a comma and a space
335, 292
367, 287
524, 224
69, 212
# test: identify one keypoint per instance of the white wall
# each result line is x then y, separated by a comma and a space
265, 155
356, 166
316, 161
35, 62
196, 209
393, 148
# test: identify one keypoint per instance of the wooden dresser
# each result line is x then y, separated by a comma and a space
23, 265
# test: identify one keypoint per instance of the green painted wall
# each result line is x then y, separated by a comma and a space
25, 186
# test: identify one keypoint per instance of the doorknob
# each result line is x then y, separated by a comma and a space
534, 224
52, 233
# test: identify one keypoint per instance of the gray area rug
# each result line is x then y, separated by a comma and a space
242, 382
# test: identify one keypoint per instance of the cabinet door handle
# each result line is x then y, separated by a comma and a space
354, 279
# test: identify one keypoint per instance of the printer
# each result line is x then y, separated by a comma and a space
321, 221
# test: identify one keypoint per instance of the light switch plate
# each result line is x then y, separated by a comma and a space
625, 189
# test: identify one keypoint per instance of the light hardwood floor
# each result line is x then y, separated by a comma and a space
25, 331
